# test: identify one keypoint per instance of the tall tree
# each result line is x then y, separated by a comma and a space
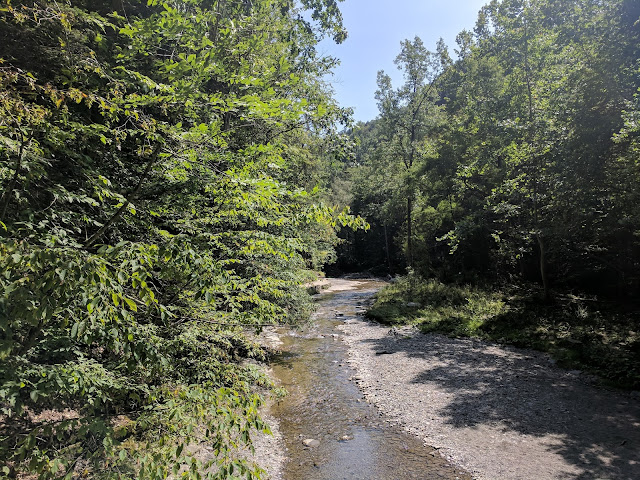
532, 171
406, 115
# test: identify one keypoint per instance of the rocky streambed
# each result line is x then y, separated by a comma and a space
366, 402
501, 413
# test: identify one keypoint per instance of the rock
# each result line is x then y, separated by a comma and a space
311, 442
413, 304
346, 438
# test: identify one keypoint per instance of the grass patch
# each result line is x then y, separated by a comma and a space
599, 337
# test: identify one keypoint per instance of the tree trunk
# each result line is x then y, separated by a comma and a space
6, 196
543, 267
129, 198
386, 245
409, 233
220, 7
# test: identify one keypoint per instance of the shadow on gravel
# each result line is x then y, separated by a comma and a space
595, 429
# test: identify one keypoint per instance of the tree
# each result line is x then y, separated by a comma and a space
531, 173
406, 115
147, 217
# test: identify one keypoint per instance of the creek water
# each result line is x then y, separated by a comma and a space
324, 404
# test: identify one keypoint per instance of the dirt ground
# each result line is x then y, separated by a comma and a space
498, 412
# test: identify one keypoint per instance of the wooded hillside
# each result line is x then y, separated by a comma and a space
517, 156
504, 181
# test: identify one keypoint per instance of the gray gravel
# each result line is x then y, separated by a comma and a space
270, 452
498, 412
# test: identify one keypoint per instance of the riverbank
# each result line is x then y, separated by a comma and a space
500, 413
270, 451
580, 333
327, 430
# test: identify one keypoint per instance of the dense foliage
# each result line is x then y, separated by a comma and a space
152, 156
518, 158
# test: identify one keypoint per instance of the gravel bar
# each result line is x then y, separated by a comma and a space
498, 412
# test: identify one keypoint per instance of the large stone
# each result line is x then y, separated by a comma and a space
310, 442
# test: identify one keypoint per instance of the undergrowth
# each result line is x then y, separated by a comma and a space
595, 336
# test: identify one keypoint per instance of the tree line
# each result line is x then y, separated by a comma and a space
515, 158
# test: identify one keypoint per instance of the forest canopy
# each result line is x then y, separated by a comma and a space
501, 180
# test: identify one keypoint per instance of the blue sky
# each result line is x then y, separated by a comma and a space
376, 28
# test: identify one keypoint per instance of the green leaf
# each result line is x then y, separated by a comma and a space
132, 305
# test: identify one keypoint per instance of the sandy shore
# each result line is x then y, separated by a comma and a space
500, 413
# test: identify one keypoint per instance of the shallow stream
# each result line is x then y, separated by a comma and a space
325, 405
